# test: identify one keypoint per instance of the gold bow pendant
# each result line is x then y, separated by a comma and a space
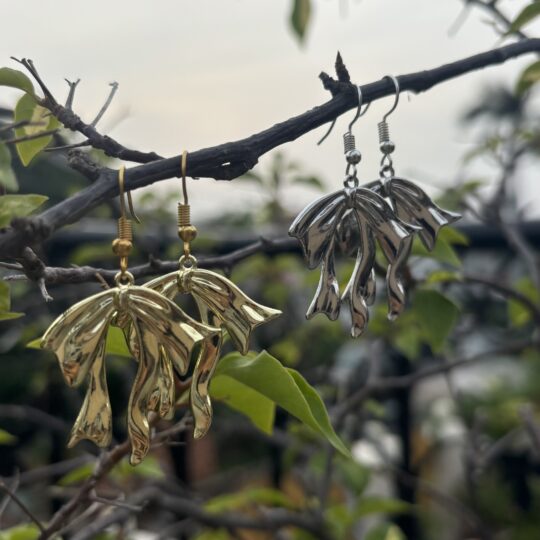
221, 303
161, 336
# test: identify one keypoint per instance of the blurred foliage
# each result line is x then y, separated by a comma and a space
275, 412
300, 18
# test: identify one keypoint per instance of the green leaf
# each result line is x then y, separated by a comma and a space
7, 438
408, 340
34, 344
18, 206
310, 181
286, 387
10, 316
257, 407
528, 78
214, 534
443, 250
526, 15
453, 236
251, 176
355, 476
379, 505
453, 198
5, 303
149, 468
436, 314
16, 79
300, 16
116, 343
443, 276
27, 109
5, 300
90, 253
7, 176
20, 532
385, 531
340, 520
518, 314
246, 498
78, 475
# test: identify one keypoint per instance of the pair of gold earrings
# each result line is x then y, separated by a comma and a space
160, 336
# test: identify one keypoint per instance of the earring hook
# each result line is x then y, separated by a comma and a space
357, 116
397, 93
359, 112
183, 169
121, 183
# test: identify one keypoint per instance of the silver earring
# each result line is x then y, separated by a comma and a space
410, 203
319, 225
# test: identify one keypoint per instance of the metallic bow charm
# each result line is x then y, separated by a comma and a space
221, 303
316, 227
413, 206
161, 336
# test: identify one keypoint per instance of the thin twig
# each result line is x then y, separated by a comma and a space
71, 94
532, 428
14, 485
32, 137
21, 123
11, 266
230, 160
21, 505
103, 110
81, 144
383, 385
116, 503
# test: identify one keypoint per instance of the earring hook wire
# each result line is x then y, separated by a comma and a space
357, 116
397, 93
121, 187
183, 169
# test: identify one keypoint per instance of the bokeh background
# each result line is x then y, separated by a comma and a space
440, 409
195, 74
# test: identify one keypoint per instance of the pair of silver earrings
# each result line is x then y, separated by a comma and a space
391, 211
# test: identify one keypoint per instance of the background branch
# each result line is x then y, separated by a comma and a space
229, 160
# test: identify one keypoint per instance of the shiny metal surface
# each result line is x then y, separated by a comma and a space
414, 206
318, 228
158, 330
222, 304
355, 219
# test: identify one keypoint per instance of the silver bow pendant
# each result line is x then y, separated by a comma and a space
389, 212
413, 206
317, 229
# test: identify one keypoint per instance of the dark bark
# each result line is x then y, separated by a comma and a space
229, 160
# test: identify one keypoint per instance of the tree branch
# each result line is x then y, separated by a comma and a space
7, 490
229, 160
107, 461
84, 274
108, 101
386, 384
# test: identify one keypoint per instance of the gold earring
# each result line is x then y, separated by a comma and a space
160, 335
220, 302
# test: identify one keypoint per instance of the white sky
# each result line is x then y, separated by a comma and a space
196, 73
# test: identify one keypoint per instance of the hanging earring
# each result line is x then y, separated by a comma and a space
220, 302
318, 226
154, 325
411, 204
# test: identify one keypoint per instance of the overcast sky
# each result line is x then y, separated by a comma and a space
197, 73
